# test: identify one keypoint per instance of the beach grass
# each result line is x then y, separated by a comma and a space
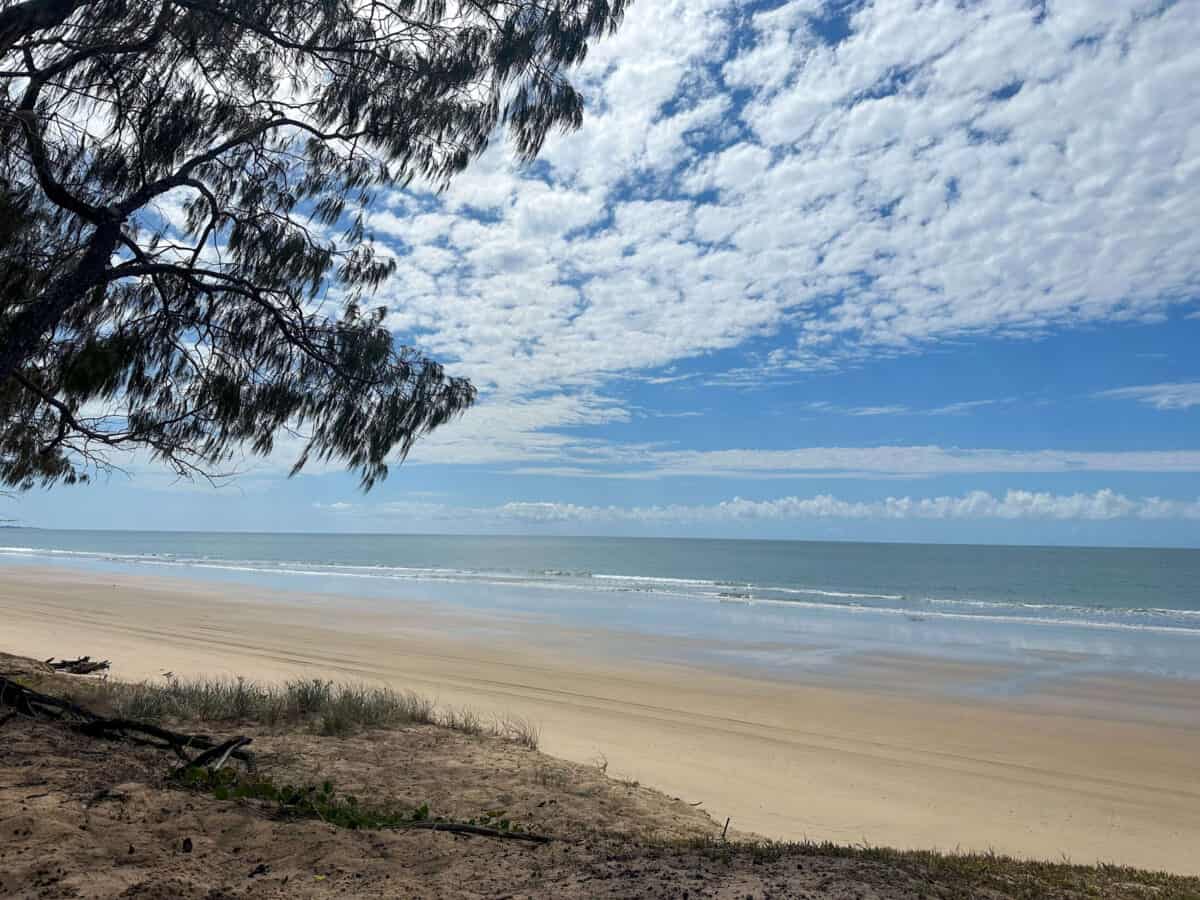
326, 707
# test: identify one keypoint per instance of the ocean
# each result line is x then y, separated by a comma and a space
788, 607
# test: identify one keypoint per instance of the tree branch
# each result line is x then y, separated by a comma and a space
24, 19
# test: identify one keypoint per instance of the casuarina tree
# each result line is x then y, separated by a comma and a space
185, 263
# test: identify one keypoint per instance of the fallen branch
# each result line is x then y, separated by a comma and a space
36, 705
153, 736
84, 665
220, 753
477, 830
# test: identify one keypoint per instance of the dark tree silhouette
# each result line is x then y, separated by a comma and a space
183, 184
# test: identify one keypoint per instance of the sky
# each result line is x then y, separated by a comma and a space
888, 270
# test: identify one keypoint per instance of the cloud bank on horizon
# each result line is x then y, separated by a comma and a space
851, 240
1103, 505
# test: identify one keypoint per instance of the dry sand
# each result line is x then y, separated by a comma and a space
1102, 771
84, 818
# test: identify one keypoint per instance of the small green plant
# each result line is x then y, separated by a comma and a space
323, 802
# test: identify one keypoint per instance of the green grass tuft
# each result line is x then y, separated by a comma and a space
327, 707
520, 730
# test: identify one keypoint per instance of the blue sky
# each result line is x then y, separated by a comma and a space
889, 270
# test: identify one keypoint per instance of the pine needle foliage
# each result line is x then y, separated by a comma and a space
185, 260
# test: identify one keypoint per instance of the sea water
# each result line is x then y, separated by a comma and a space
789, 606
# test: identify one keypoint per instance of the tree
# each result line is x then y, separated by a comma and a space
184, 257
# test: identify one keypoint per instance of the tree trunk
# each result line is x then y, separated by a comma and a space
26, 330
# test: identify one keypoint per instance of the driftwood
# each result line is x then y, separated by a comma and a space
33, 704
220, 753
478, 830
84, 665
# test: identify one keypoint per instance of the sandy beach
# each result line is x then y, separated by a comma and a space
1101, 770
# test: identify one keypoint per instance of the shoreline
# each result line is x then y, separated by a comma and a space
1077, 771
827, 629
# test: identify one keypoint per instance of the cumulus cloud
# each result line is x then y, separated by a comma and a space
1103, 505
943, 169
1176, 395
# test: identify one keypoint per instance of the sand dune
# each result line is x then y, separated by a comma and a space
1103, 771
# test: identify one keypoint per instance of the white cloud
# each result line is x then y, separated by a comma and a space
1177, 395
866, 462
962, 407
510, 429
894, 409
946, 170
1103, 505
899, 409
